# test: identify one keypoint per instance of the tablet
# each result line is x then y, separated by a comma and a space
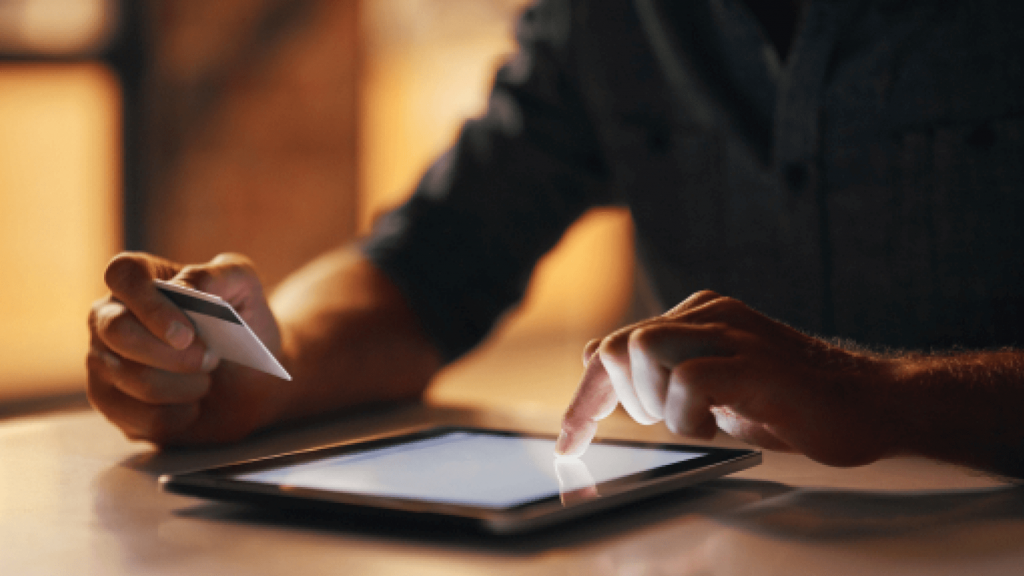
500, 481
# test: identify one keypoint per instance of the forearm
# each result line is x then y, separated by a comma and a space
348, 337
962, 408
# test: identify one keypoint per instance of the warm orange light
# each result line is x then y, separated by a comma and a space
56, 27
59, 217
429, 67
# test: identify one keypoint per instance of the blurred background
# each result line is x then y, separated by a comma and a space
275, 128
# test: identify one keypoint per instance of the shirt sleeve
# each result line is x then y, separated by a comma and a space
463, 247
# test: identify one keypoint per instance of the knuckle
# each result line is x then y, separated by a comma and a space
705, 295
93, 320
694, 300
196, 275
110, 320
156, 387
190, 360
690, 374
232, 261
125, 270
117, 326
98, 304
681, 374
187, 361
572, 421
144, 388
641, 339
725, 306
614, 347
238, 269
716, 331
158, 312
224, 268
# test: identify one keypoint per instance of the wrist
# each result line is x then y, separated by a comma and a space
962, 409
884, 430
903, 405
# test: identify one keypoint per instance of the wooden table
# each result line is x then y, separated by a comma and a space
77, 498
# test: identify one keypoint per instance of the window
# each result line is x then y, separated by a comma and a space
59, 187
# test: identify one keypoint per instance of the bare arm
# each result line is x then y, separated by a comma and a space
963, 408
713, 363
349, 336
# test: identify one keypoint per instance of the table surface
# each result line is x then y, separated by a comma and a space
77, 498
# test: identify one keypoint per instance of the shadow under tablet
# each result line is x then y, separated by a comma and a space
711, 499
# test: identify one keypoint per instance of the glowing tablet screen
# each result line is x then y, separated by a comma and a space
461, 467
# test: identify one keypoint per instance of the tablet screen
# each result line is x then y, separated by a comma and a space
468, 468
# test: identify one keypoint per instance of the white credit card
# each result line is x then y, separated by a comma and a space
222, 329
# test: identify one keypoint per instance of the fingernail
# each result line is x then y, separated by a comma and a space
110, 360
210, 361
178, 335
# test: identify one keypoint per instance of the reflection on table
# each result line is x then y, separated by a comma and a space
75, 497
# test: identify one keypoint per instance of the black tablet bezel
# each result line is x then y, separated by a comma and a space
218, 483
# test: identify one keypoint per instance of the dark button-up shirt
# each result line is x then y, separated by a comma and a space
870, 187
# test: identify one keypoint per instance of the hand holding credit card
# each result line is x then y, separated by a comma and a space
222, 329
